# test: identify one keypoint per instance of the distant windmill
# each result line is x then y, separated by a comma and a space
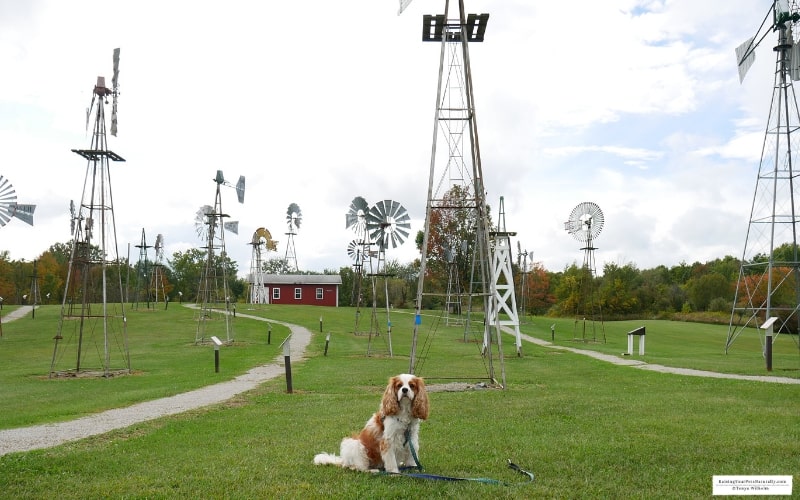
585, 223
95, 256
143, 273
358, 250
262, 241
214, 296
388, 226
293, 219
158, 279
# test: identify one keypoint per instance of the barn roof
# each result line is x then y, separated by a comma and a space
300, 279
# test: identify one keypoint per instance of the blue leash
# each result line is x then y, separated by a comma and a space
484, 480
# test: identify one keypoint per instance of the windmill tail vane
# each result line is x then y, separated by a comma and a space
781, 15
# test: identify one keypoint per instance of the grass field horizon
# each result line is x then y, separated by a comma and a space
585, 427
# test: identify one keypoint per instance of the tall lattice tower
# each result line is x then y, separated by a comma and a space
143, 274
456, 192
294, 216
158, 278
360, 251
213, 292
261, 241
769, 276
92, 320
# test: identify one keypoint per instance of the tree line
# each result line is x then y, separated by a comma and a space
621, 291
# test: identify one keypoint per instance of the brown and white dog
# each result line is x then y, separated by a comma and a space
384, 441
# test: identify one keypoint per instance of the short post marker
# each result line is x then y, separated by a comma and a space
287, 361
217, 343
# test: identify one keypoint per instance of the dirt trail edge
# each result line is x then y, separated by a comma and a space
660, 368
48, 435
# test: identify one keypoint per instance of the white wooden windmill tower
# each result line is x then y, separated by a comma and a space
92, 324
504, 312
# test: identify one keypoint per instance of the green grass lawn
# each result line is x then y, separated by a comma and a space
586, 428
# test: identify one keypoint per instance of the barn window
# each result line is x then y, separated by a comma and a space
298, 293
276, 293
319, 293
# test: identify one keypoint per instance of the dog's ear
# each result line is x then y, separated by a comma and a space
389, 404
419, 408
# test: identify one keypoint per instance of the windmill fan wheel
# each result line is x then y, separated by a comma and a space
8, 201
263, 236
388, 223
585, 221
356, 214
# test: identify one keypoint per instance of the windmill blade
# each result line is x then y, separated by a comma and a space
232, 226
24, 213
89, 111
403, 5
240, 189
115, 77
745, 55
114, 85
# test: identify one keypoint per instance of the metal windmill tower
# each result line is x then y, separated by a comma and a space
769, 276
213, 293
359, 251
158, 280
143, 273
585, 223
261, 241
522, 264
294, 216
454, 302
36, 294
388, 226
504, 312
458, 165
93, 310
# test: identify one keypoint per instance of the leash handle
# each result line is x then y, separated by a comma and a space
519, 469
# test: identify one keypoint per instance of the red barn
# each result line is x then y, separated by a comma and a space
302, 289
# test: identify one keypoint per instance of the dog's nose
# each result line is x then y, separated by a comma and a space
405, 390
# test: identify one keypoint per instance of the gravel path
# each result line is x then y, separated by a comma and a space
48, 435
661, 368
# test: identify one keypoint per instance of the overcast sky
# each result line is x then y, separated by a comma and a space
633, 105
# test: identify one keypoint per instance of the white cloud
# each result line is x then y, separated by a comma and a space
633, 105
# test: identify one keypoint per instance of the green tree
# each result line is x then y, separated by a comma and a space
618, 290
187, 269
703, 289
